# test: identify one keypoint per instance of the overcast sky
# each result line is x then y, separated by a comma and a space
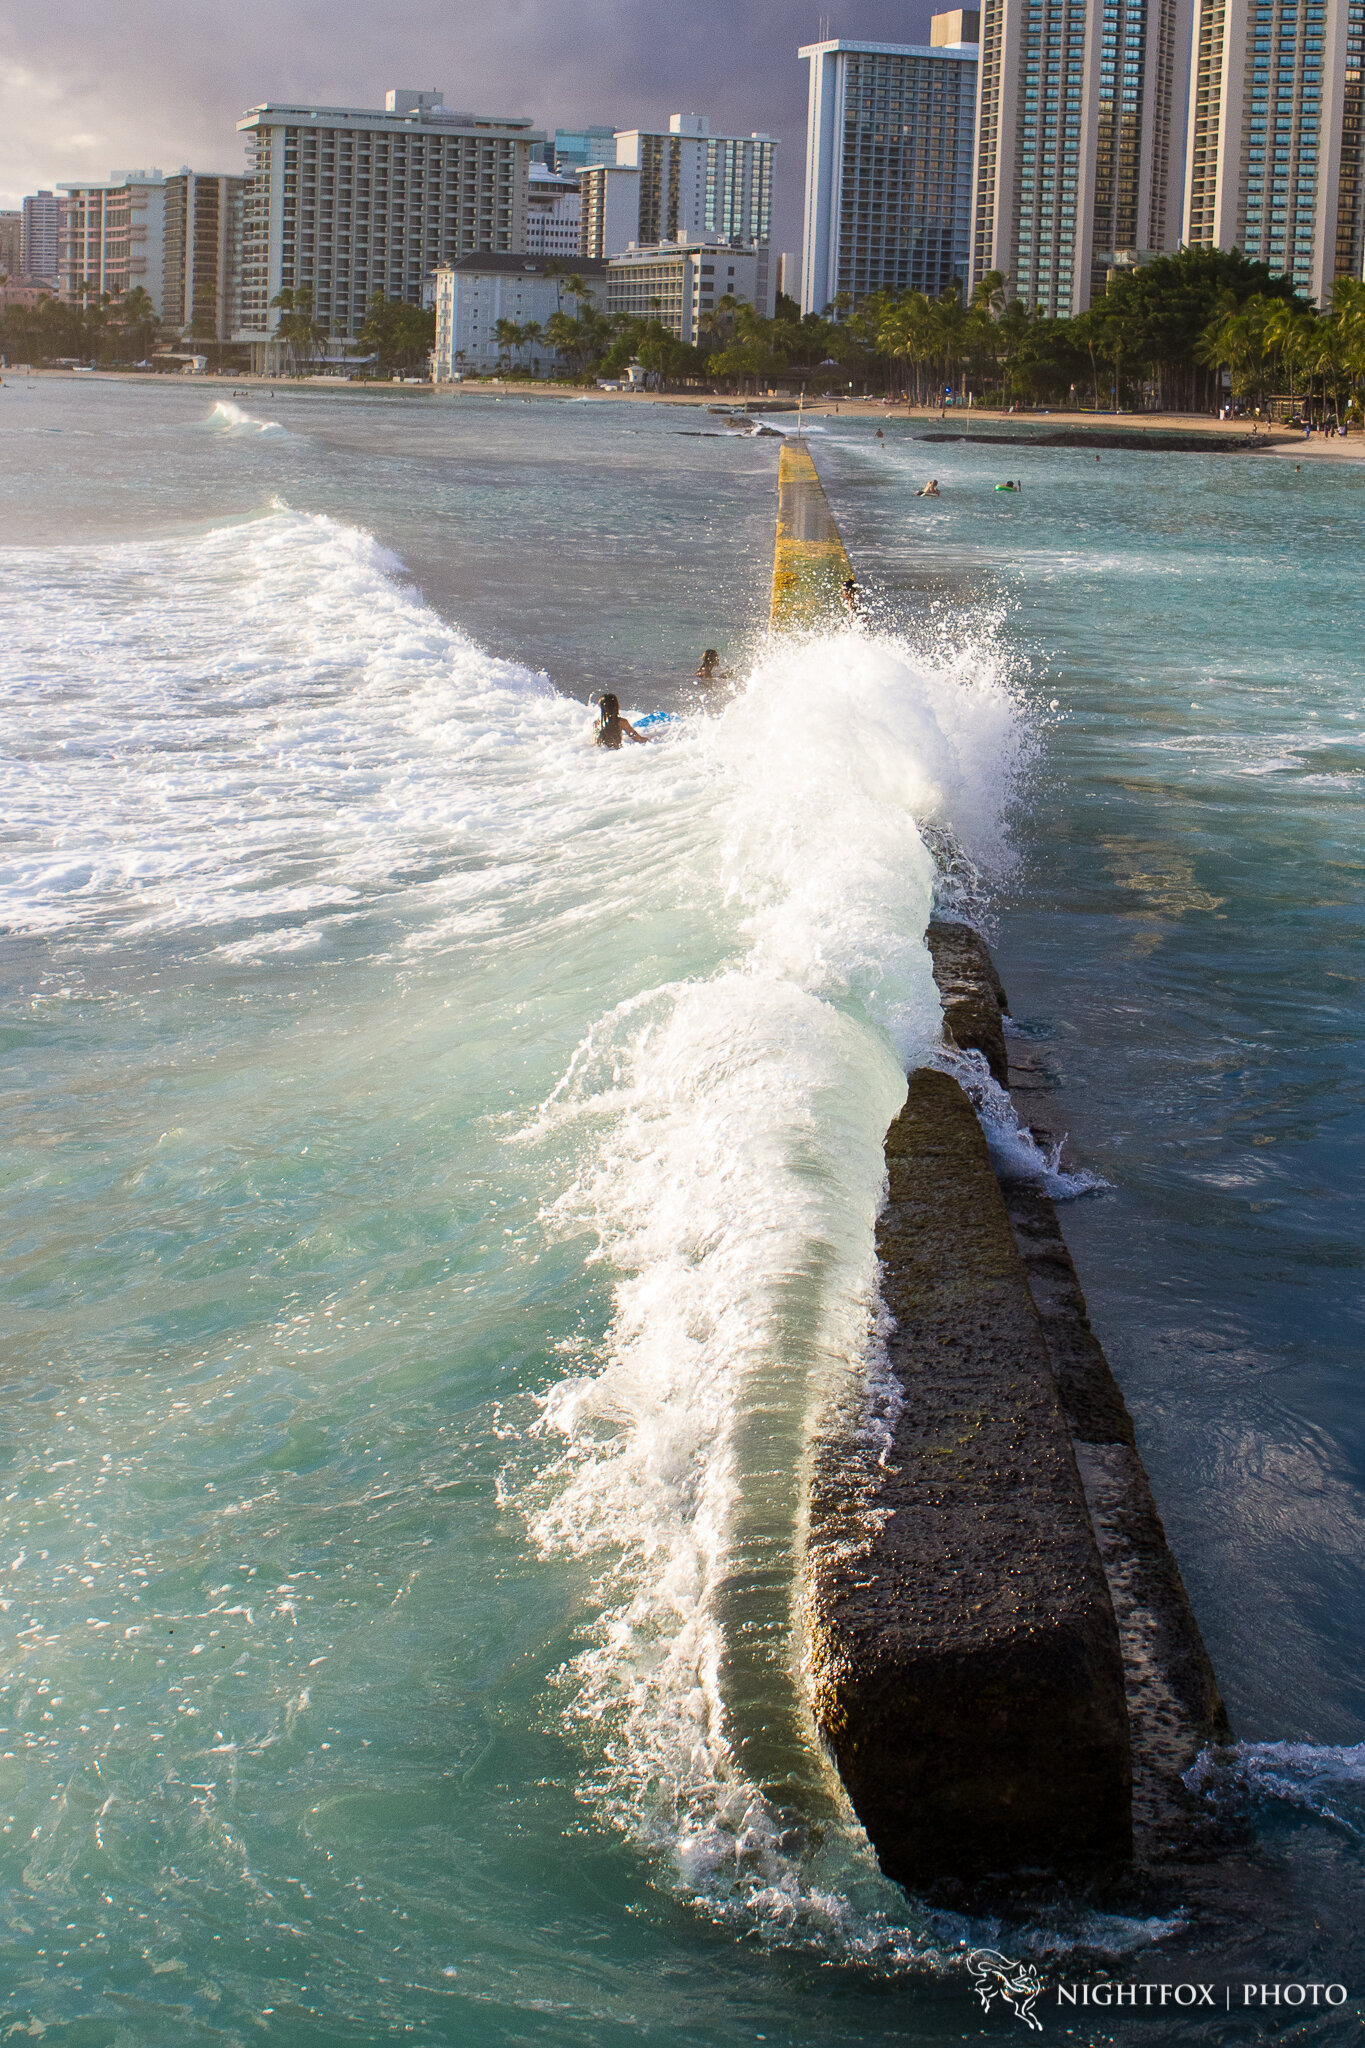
87, 87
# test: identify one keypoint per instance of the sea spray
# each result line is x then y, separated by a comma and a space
1322, 1779
229, 418
730, 1171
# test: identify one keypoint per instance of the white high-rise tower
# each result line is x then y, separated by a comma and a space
889, 164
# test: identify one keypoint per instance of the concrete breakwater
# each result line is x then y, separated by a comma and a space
1156, 441
1002, 1659
810, 561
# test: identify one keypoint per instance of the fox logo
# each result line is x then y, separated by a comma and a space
1015, 1984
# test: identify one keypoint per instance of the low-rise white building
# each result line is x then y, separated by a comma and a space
477, 292
677, 282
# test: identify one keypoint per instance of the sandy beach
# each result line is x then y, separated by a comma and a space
1278, 440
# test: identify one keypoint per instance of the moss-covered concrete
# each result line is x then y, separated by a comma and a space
810, 562
974, 1002
963, 1651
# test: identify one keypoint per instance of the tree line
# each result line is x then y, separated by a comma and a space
1161, 337
106, 328
110, 330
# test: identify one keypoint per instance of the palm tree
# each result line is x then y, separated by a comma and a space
1348, 317
299, 329
509, 340
906, 330
136, 315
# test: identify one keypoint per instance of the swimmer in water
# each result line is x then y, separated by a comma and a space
710, 670
611, 727
929, 490
880, 435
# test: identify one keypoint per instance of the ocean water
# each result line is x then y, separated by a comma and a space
440, 1163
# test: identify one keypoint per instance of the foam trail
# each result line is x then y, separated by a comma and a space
1013, 1147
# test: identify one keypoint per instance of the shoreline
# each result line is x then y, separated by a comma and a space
1273, 440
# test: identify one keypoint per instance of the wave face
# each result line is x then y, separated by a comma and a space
245, 734
229, 418
347, 896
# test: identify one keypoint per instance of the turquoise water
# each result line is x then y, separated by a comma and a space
441, 1162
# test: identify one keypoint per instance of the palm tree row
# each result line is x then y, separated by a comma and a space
1270, 345
101, 327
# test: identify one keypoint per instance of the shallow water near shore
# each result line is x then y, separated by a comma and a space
441, 1162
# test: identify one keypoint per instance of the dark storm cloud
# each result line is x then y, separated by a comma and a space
86, 88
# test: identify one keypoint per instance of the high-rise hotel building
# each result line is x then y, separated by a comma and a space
112, 238
889, 164
202, 254
1079, 149
42, 235
1274, 161
348, 201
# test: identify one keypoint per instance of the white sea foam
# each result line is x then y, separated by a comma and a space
723, 1139
260, 725
229, 418
247, 741
1323, 1780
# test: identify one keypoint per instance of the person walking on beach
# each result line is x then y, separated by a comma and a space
611, 727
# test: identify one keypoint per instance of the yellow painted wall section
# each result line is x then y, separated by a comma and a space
810, 562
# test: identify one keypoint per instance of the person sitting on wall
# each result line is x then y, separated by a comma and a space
849, 593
